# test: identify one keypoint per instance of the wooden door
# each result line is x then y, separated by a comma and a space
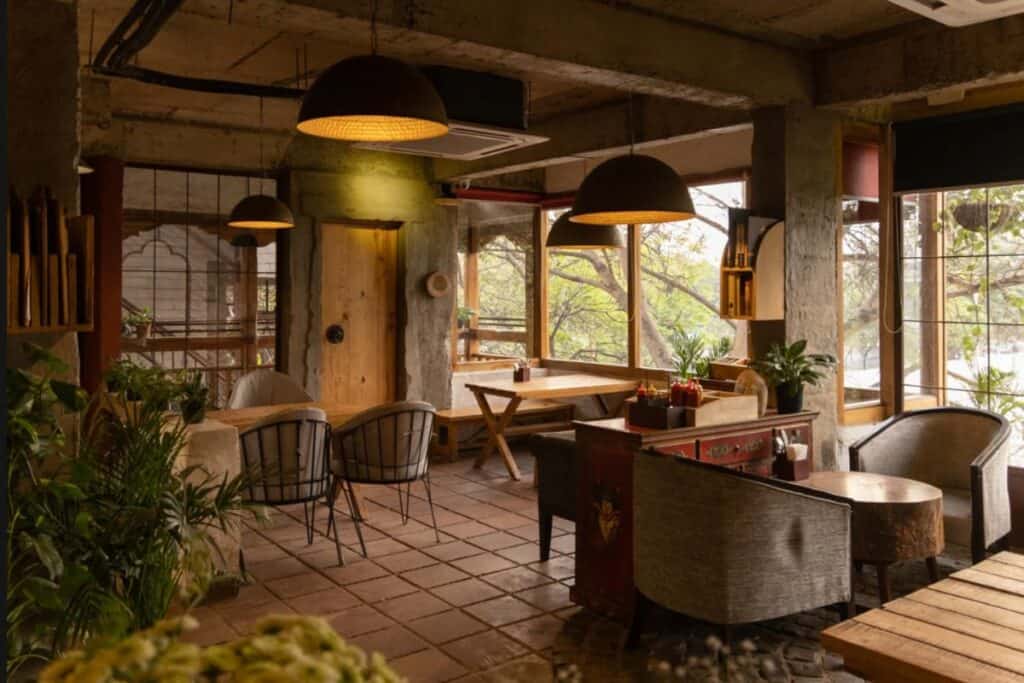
360, 273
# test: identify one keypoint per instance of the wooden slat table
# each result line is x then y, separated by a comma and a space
548, 387
337, 415
969, 627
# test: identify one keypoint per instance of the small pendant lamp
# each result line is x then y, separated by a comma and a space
631, 189
565, 234
373, 99
261, 211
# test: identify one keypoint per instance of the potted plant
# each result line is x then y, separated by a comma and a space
789, 368
464, 316
195, 398
140, 322
693, 356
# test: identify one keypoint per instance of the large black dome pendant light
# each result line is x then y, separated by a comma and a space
565, 234
632, 189
261, 211
373, 99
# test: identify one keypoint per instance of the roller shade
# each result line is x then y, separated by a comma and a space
974, 148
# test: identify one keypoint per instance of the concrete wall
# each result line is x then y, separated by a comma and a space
43, 124
696, 156
330, 182
795, 174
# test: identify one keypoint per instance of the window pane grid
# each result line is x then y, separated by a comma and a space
179, 263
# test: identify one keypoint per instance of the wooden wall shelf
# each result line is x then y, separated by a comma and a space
752, 283
50, 266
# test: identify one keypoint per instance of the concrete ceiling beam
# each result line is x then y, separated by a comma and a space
577, 40
914, 63
598, 132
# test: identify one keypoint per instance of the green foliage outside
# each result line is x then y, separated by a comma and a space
105, 530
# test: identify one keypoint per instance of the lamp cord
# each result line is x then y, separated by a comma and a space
629, 116
373, 27
263, 168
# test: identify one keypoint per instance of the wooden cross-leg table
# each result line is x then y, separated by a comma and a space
496, 428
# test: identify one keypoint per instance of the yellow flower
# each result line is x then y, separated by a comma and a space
221, 658
62, 669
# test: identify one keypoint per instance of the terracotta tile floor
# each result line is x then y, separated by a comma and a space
477, 606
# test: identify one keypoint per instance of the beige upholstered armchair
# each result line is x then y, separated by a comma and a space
732, 548
962, 451
389, 445
266, 388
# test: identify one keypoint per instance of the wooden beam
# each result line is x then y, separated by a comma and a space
540, 285
634, 299
472, 287
102, 193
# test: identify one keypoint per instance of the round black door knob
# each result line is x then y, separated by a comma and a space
335, 334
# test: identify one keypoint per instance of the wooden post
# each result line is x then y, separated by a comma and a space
102, 197
634, 298
473, 289
933, 298
539, 347
890, 363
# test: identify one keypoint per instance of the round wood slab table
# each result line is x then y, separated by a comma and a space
894, 519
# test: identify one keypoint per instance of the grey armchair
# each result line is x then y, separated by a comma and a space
732, 548
266, 388
962, 451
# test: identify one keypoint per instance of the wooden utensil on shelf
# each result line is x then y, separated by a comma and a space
81, 239
22, 245
58, 229
40, 233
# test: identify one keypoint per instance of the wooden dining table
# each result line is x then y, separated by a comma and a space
548, 387
968, 627
337, 415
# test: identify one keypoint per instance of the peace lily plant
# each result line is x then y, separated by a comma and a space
789, 369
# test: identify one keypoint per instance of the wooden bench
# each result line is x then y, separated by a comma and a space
448, 422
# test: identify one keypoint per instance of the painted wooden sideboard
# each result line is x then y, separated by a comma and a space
604, 518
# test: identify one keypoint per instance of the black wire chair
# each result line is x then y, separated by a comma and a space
388, 444
285, 459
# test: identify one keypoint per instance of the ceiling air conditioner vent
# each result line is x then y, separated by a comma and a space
463, 142
962, 12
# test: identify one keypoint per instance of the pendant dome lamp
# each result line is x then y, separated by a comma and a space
565, 234
632, 189
261, 211
371, 98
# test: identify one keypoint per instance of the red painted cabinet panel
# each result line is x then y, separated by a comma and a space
736, 448
687, 450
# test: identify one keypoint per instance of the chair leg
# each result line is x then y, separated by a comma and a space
545, 520
408, 495
430, 502
309, 521
337, 533
401, 506
978, 550
347, 488
933, 569
641, 608
453, 443
884, 589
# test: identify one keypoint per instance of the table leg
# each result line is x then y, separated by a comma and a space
884, 590
933, 569
496, 426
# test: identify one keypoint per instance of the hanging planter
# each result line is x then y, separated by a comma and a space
975, 216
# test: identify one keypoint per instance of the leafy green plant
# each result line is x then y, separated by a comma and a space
464, 315
143, 316
693, 355
790, 367
195, 397
107, 536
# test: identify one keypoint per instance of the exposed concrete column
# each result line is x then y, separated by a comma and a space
796, 176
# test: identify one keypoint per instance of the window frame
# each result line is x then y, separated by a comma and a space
634, 292
251, 340
890, 313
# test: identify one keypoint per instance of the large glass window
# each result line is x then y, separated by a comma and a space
963, 299
495, 288
587, 302
861, 284
210, 290
679, 277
